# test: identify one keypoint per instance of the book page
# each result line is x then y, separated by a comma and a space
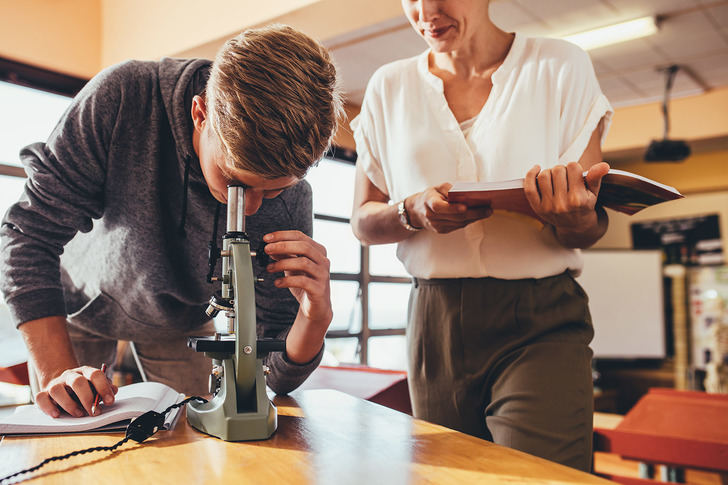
615, 171
131, 401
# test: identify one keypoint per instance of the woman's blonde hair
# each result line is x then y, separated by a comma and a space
272, 99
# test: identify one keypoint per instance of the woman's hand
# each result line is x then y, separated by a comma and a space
563, 197
74, 390
432, 211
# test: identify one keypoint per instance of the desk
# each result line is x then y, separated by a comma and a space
13, 355
668, 427
323, 437
381, 386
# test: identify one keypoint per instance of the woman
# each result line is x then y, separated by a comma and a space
498, 329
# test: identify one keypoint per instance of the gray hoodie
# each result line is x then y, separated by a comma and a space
114, 223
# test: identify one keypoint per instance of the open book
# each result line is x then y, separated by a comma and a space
131, 401
621, 191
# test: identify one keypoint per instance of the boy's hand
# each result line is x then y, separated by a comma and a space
72, 392
305, 269
64, 385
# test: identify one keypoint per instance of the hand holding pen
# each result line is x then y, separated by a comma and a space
74, 391
97, 395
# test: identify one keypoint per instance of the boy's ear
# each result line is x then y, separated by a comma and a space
199, 111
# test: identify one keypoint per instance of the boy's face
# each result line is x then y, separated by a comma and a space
218, 173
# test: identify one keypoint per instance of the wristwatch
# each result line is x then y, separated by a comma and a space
404, 218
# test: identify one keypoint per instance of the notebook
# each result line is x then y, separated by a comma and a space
131, 401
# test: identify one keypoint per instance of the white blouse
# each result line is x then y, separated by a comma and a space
543, 107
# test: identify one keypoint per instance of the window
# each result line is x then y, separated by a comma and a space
369, 286
29, 115
32, 100
12, 348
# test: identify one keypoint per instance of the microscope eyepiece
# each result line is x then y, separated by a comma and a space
236, 209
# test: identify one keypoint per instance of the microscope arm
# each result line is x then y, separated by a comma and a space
244, 304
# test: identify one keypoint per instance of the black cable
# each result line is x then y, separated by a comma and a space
140, 428
185, 183
213, 252
63, 457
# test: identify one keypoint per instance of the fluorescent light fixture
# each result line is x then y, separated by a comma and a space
613, 34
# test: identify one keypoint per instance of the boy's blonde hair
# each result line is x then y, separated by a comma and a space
272, 99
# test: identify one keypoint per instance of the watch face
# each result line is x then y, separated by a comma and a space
403, 219
402, 214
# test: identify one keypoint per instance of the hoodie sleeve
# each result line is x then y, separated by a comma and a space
277, 308
63, 193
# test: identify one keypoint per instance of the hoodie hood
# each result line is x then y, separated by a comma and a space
179, 81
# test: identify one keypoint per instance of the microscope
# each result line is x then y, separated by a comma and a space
239, 409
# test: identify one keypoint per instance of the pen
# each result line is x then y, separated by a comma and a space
96, 398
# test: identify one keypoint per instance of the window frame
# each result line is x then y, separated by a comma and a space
41, 79
363, 277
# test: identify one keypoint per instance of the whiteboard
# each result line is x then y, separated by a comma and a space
626, 302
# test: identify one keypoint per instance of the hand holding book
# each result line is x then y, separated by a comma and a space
621, 191
565, 197
431, 210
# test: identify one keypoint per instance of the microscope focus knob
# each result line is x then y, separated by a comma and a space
213, 384
215, 379
261, 257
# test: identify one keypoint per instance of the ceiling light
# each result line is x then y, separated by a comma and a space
613, 34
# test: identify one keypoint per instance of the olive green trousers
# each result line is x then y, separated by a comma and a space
505, 360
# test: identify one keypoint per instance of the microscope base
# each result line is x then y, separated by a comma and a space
220, 417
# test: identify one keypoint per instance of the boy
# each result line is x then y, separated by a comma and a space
109, 240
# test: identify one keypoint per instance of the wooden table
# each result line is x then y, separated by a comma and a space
323, 437
679, 429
